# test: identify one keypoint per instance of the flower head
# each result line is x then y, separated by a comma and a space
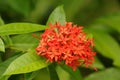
66, 43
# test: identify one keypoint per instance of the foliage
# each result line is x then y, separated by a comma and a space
18, 59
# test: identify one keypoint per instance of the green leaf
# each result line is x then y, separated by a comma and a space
41, 7
4, 77
75, 74
97, 64
32, 75
104, 28
74, 6
20, 28
4, 65
28, 62
25, 41
22, 6
6, 39
42, 75
1, 58
2, 47
108, 74
63, 75
58, 15
1, 21
110, 20
106, 45
52, 72
117, 60
17, 77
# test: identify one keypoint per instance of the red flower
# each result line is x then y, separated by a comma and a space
66, 43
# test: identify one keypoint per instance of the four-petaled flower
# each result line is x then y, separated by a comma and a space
66, 43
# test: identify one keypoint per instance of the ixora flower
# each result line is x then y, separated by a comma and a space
66, 43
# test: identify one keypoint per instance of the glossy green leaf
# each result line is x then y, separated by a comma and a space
2, 47
108, 74
58, 15
52, 72
20, 28
106, 45
25, 41
74, 74
110, 20
21, 6
4, 65
28, 62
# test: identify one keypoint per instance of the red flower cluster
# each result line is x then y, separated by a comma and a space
66, 43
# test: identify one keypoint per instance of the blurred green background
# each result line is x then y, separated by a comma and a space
101, 18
